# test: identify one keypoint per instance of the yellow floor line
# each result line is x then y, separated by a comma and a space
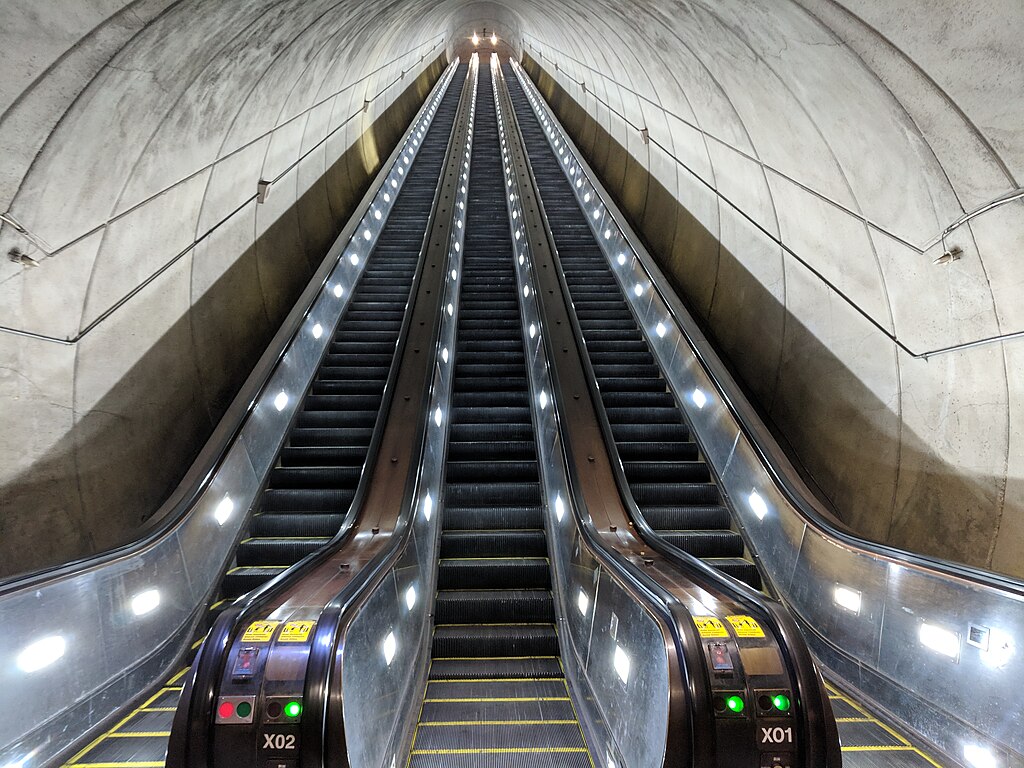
140, 735
497, 751
497, 680
903, 746
159, 709
178, 676
118, 765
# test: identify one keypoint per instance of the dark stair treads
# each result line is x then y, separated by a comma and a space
672, 486
322, 460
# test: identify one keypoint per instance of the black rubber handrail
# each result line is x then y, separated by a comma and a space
821, 749
196, 718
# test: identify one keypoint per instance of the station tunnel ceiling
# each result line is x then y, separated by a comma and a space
792, 164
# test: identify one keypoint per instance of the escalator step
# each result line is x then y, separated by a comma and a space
706, 543
494, 573
283, 551
494, 640
491, 450
675, 471
501, 493
331, 437
315, 477
681, 518
738, 568
313, 456
508, 543
665, 493
322, 524
484, 606
492, 517
483, 471
307, 500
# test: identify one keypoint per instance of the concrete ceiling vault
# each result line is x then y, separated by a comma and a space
809, 151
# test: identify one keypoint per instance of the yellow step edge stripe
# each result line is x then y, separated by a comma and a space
483, 700
496, 751
460, 723
855, 720
159, 709
499, 680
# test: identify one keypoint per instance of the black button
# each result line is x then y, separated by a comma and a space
281, 762
274, 709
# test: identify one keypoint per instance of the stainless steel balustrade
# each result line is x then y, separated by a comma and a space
935, 644
612, 647
85, 639
384, 651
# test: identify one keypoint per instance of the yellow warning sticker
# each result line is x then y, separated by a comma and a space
260, 632
745, 626
296, 632
709, 626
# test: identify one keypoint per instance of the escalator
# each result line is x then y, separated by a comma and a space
672, 486
667, 477
495, 685
322, 461
325, 455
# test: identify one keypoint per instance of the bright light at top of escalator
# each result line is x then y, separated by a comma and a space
699, 398
940, 640
475, 39
145, 602
224, 510
847, 598
979, 757
757, 504
494, 39
410, 597
41, 653
621, 664
281, 400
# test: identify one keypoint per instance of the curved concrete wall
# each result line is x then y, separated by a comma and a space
801, 156
134, 136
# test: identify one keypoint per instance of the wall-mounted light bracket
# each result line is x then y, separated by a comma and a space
262, 190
